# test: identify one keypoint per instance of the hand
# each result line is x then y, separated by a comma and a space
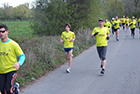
17, 65
72, 40
107, 37
61, 40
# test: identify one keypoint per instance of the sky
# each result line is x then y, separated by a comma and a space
15, 3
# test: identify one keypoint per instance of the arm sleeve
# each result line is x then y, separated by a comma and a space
21, 59
94, 31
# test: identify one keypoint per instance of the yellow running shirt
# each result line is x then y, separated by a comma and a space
123, 20
101, 36
107, 24
112, 23
67, 36
139, 22
117, 24
8, 52
127, 21
133, 24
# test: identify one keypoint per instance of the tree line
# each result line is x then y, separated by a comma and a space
21, 12
49, 16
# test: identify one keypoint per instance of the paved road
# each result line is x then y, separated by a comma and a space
122, 75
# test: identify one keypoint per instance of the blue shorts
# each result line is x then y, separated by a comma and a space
67, 49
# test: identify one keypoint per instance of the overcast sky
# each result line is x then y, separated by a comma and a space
15, 3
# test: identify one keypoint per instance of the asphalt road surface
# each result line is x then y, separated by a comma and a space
122, 75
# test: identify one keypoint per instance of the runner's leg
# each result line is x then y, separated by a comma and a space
104, 50
11, 76
2, 83
70, 57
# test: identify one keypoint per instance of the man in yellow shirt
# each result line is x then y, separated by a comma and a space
9, 50
127, 23
107, 24
68, 38
133, 26
112, 23
123, 22
117, 27
102, 35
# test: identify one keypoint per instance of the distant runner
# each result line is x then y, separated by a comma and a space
127, 23
102, 35
68, 38
112, 23
107, 24
117, 27
133, 26
123, 22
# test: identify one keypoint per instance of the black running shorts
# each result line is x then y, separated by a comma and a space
102, 52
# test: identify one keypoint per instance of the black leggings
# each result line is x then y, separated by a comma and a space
133, 31
7, 82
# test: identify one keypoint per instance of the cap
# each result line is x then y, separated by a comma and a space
112, 18
133, 17
101, 19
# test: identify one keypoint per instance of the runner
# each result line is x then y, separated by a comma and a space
68, 38
117, 27
107, 24
133, 26
139, 25
123, 22
102, 35
127, 23
112, 23
9, 65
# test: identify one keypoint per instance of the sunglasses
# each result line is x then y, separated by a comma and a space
2, 31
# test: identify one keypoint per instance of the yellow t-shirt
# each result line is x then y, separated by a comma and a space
8, 52
107, 24
101, 36
112, 23
117, 24
123, 20
139, 22
67, 36
127, 21
133, 24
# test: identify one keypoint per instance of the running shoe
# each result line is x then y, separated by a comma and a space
117, 39
68, 70
16, 88
102, 71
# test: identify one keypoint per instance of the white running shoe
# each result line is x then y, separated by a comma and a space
68, 70
16, 88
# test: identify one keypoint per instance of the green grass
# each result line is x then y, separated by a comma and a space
18, 28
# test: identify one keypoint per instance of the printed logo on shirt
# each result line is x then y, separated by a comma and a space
4, 53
